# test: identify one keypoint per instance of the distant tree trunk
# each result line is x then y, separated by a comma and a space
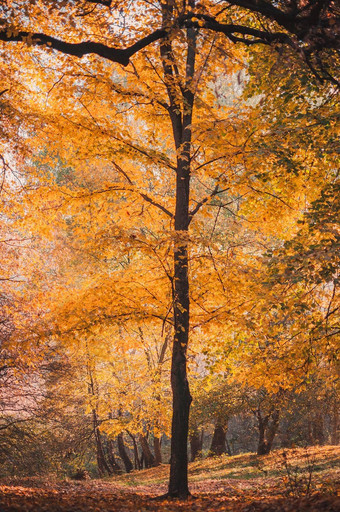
229, 452
123, 454
268, 426
148, 456
103, 466
335, 423
142, 461
218, 444
116, 469
309, 431
318, 429
196, 441
137, 461
157, 448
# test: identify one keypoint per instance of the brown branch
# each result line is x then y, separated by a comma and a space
270, 194
119, 55
106, 3
231, 30
313, 23
144, 196
205, 200
266, 9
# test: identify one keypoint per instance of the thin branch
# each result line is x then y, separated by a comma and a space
205, 200
142, 194
270, 194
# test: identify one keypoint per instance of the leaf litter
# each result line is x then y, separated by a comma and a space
106, 496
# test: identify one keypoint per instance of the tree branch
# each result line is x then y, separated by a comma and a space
317, 24
119, 55
205, 200
144, 196
231, 30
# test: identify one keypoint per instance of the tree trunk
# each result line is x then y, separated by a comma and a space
123, 454
195, 444
135, 452
181, 119
157, 448
178, 484
272, 429
318, 429
102, 465
218, 444
148, 456
142, 460
261, 446
229, 452
335, 423
267, 431
112, 459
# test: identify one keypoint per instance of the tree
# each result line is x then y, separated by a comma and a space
184, 56
310, 27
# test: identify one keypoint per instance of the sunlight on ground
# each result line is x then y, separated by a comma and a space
323, 462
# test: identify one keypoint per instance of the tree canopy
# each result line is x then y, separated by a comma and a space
170, 173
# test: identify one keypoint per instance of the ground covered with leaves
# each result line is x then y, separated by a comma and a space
295, 480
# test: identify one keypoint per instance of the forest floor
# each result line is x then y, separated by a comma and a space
287, 481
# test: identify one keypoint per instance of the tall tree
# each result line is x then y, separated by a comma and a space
182, 57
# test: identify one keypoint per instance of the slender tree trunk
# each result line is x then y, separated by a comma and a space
229, 452
142, 460
309, 431
181, 102
123, 454
218, 444
195, 444
272, 429
335, 422
157, 449
103, 466
178, 485
261, 445
137, 461
112, 459
318, 429
267, 431
148, 456
181, 119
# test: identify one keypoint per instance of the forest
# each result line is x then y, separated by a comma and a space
169, 286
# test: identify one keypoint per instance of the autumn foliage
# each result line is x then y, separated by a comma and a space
169, 236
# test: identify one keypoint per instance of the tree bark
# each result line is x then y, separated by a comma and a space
318, 429
137, 461
218, 444
148, 456
335, 422
157, 449
267, 431
102, 465
116, 469
123, 454
229, 452
195, 444
181, 119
